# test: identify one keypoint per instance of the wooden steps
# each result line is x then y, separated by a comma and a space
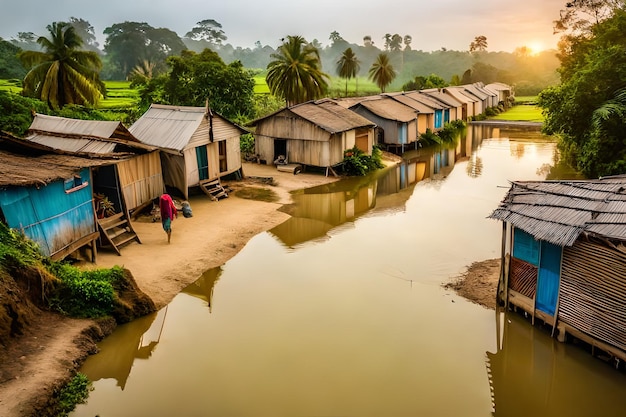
116, 231
214, 189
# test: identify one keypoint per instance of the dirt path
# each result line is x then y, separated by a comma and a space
43, 359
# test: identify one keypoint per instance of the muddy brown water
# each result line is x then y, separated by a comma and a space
340, 311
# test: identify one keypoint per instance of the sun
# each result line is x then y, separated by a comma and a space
535, 47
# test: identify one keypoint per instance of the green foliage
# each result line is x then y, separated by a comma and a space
81, 293
246, 144
16, 250
295, 72
15, 112
194, 78
593, 70
63, 73
382, 71
10, 65
358, 163
74, 393
448, 134
423, 83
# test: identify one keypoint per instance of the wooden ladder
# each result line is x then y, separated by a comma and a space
116, 231
213, 189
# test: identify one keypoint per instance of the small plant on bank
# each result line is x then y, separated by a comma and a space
74, 393
88, 294
357, 163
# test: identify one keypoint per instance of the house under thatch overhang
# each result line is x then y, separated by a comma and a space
564, 257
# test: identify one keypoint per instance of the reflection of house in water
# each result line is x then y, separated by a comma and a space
530, 374
203, 287
130, 341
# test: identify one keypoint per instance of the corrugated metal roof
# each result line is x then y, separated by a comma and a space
73, 144
439, 95
559, 211
330, 116
412, 103
390, 109
172, 127
91, 128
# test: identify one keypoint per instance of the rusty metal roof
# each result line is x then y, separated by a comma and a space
76, 127
559, 211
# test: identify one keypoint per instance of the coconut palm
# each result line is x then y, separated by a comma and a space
348, 66
296, 74
62, 73
382, 72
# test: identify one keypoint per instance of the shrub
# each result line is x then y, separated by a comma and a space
87, 294
75, 392
357, 163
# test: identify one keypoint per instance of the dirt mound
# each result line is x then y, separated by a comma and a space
36, 359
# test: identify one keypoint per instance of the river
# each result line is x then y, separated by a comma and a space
341, 310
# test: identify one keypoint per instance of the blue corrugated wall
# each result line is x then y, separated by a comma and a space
49, 215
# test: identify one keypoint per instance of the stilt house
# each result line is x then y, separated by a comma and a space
564, 257
48, 196
197, 145
315, 133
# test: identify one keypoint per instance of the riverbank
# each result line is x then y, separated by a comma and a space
53, 348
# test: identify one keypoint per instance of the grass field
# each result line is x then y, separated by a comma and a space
119, 95
13, 86
522, 112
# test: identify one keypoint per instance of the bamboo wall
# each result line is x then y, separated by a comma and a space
592, 296
141, 179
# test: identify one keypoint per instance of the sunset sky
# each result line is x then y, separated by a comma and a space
433, 24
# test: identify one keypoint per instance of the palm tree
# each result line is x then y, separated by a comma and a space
382, 72
296, 74
348, 66
61, 73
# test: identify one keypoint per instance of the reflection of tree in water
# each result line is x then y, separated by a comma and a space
474, 166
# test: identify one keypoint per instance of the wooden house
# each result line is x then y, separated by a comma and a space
396, 123
315, 133
48, 196
469, 104
503, 91
437, 107
453, 108
198, 146
564, 257
425, 114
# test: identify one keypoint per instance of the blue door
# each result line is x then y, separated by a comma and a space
549, 277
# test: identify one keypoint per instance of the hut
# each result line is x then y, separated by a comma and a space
564, 257
133, 176
315, 133
198, 146
48, 196
396, 123
453, 108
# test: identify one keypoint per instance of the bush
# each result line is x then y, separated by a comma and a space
357, 163
75, 392
87, 294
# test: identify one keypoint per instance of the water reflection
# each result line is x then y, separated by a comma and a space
531, 374
136, 340
341, 311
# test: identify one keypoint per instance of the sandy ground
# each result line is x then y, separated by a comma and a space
38, 363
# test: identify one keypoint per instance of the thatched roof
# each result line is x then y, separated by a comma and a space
559, 211
23, 163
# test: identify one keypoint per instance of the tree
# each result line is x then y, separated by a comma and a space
367, 41
407, 42
348, 66
479, 44
207, 30
10, 65
86, 32
193, 78
387, 39
129, 43
395, 43
584, 110
295, 73
62, 74
382, 72
580, 16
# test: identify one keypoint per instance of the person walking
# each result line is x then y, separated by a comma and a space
168, 213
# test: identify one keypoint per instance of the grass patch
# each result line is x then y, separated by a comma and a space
521, 113
258, 194
119, 96
74, 393
13, 85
